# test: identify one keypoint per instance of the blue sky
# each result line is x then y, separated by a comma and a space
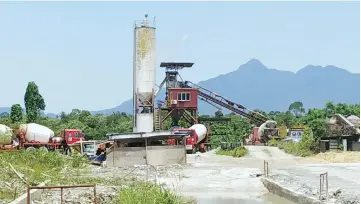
80, 53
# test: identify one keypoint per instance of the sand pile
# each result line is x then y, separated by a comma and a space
338, 157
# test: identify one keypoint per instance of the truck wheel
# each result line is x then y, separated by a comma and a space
43, 149
32, 149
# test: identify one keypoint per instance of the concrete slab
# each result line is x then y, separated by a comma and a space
290, 194
344, 176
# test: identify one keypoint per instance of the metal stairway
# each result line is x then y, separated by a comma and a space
156, 120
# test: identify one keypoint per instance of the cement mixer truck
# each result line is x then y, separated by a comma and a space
32, 136
264, 133
197, 139
6, 136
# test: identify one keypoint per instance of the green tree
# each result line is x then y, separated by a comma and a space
218, 114
34, 102
260, 111
64, 117
285, 118
16, 114
330, 108
297, 108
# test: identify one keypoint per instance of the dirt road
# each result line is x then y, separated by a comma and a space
212, 179
222, 179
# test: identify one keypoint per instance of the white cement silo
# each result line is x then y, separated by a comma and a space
144, 76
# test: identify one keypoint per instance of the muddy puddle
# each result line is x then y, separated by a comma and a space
268, 198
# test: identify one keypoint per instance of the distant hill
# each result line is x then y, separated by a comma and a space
255, 86
4, 109
8, 110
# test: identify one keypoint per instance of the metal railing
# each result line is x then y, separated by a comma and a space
265, 168
324, 185
29, 188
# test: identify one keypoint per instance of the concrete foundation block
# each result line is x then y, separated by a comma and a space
34, 194
289, 194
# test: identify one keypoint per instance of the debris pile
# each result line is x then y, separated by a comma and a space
336, 195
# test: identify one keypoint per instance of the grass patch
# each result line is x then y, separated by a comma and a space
38, 166
273, 142
34, 168
295, 149
148, 193
304, 148
237, 152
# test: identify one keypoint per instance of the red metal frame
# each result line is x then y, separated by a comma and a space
192, 103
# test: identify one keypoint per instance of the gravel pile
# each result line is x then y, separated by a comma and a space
105, 194
142, 172
336, 195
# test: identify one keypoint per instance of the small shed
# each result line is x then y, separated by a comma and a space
146, 149
342, 133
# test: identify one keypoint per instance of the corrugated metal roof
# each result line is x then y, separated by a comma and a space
353, 117
137, 135
345, 120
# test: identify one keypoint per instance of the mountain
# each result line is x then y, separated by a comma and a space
255, 86
8, 110
127, 106
4, 110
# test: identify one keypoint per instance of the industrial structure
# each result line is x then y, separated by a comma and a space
181, 102
151, 142
143, 76
143, 145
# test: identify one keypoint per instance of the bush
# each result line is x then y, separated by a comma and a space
237, 152
147, 193
306, 147
273, 142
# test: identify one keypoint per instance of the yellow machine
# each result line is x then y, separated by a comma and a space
284, 133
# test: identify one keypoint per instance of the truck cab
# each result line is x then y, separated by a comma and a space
191, 139
72, 135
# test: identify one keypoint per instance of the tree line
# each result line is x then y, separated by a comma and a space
97, 126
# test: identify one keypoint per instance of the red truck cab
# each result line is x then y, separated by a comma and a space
72, 135
255, 137
191, 139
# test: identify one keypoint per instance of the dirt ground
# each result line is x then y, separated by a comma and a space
234, 180
337, 157
210, 178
